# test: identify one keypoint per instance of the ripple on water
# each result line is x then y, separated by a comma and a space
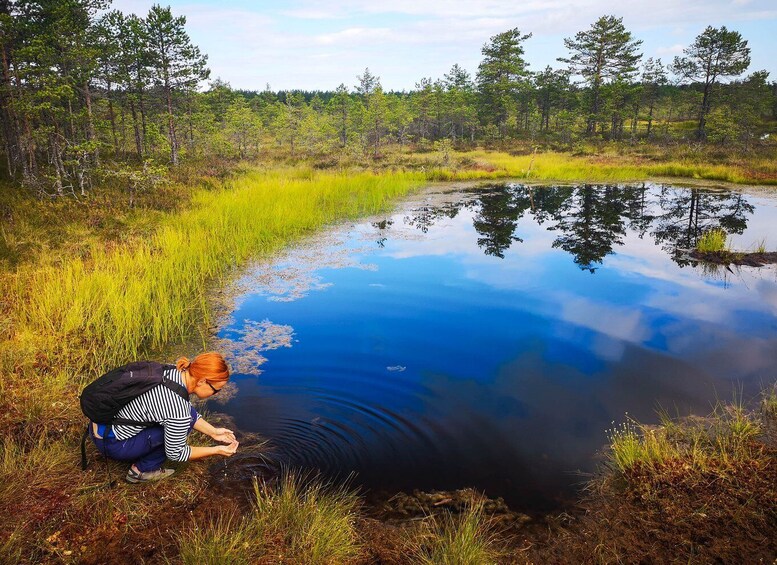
488, 339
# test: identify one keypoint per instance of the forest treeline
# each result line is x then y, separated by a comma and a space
88, 93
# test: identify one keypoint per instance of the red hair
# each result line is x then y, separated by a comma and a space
210, 366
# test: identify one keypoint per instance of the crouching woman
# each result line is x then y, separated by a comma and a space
174, 418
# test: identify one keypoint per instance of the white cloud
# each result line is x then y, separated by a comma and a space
676, 49
250, 43
623, 323
355, 36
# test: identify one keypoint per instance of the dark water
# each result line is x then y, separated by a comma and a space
490, 337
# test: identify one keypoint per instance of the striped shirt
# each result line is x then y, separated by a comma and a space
165, 407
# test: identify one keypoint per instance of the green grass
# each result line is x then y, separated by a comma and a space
307, 521
632, 444
223, 540
722, 440
712, 241
464, 539
769, 402
295, 521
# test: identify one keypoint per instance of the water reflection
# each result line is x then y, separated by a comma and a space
462, 341
591, 220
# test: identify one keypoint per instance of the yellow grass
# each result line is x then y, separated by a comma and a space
553, 166
109, 307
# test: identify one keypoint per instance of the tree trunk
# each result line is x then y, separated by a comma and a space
591, 126
142, 109
112, 117
650, 118
136, 128
10, 126
701, 132
171, 126
90, 133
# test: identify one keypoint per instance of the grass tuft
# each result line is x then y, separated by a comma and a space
723, 440
224, 540
464, 539
632, 444
712, 241
769, 402
307, 521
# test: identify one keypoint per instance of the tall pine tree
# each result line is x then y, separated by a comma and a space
502, 75
604, 54
177, 65
715, 54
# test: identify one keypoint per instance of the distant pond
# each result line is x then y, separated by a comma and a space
489, 337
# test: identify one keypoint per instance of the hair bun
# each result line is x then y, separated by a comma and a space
182, 364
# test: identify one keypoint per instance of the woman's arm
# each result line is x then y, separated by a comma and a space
219, 434
224, 450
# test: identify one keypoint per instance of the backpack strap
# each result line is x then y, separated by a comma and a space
180, 390
169, 384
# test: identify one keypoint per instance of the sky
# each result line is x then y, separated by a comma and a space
315, 45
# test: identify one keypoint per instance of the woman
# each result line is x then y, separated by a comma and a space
148, 447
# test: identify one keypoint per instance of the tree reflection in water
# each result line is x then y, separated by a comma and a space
592, 219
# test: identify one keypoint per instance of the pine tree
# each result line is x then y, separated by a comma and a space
716, 53
461, 102
340, 108
653, 78
177, 65
552, 88
604, 54
502, 76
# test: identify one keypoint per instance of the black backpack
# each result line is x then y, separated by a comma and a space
102, 399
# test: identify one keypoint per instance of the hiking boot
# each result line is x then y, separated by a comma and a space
134, 476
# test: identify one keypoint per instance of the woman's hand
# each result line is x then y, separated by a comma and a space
226, 450
223, 435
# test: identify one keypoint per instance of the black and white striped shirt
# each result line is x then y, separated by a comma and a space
165, 407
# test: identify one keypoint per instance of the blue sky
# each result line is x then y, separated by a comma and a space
311, 44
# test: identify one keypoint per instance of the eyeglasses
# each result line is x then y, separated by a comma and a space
214, 389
